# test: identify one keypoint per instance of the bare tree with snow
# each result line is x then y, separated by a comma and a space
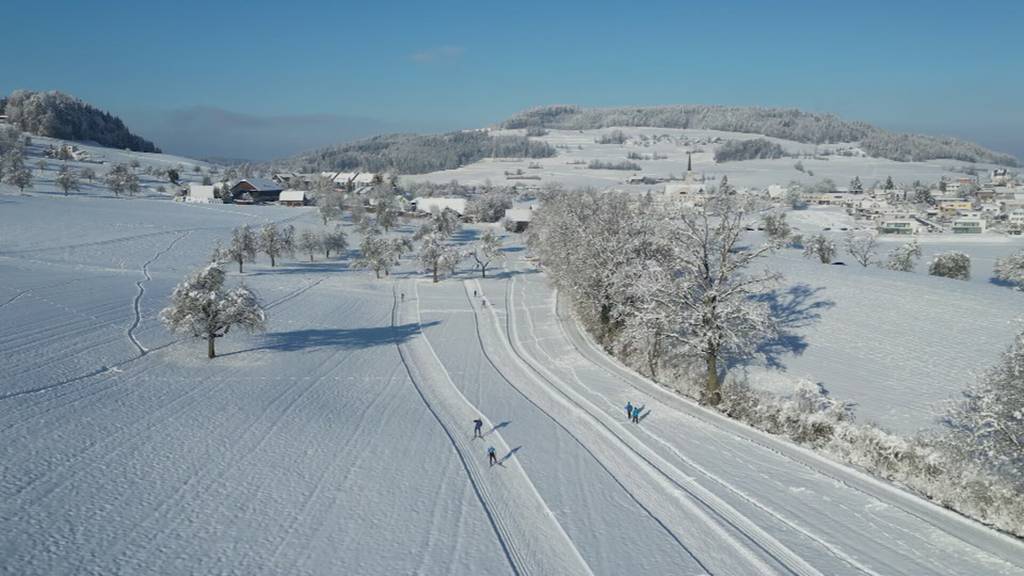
201, 307
272, 242
776, 227
862, 249
380, 254
485, 250
121, 179
904, 258
955, 265
437, 256
706, 292
67, 179
820, 247
987, 425
243, 247
334, 241
309, 243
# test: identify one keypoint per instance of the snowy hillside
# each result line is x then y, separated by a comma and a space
578, 148
340, 440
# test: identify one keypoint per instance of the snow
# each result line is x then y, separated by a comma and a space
340, 441
576, 148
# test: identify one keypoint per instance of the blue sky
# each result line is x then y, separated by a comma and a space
258, 79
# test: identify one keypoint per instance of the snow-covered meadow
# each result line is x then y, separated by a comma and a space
339, 441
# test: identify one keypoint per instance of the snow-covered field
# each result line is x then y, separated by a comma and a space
339, 441
577, 148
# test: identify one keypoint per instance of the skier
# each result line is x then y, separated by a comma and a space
492, 456
478, 425
474, 293
629, 409
636, 414
403, 296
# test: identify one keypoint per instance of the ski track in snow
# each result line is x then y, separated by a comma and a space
973, 534
576, 438
703, 504
536, 545
142, 291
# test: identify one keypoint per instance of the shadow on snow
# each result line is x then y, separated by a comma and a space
341, 338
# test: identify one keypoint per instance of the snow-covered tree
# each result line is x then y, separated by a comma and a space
15, 171
437, 255
794, 197
358, 211
988, 424
820, 247
776, 227
855, 185
705, 292
334, 241
328, 203
489, 206
272, 242
445, 222
486, 249
67, 179
863, 249
904, 258
288, 240
955, 265
243, 247
387, 211
309, 243
88, 173
1011, 269
122, 178
201, 307
380, 254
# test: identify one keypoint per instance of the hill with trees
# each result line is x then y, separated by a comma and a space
60, 115
785, 123
419, 153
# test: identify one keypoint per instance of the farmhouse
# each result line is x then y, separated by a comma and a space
292, 198
200, 194
255, 190
517, 219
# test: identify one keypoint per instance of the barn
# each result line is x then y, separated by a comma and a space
292, 198
255, 191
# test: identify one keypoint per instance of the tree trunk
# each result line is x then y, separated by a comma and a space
435, 273
377, 272
310, 256
210, 352
483, 271
273, 261
713, 394
239, 268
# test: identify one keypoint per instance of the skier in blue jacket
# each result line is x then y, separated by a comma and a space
478, 425
629, 409
636, 414
491, 456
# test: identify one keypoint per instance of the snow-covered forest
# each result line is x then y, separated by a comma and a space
59, 115
417, 154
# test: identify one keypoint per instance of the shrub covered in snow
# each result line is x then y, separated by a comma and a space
956, 265
904, 258
820, 247
1011, 269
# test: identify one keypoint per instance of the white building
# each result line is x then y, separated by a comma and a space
292, 198
201, 194
517, 219
898, 226
428, 205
